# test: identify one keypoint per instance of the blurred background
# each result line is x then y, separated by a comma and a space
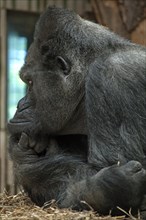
17, 22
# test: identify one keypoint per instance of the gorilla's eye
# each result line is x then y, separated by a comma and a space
30, 84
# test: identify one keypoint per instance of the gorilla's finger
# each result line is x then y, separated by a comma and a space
23, 142
32, 143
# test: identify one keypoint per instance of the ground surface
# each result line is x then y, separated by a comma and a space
19, 207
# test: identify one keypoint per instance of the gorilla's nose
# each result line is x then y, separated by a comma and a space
23, 104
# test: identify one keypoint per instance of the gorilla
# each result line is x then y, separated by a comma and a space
79, 134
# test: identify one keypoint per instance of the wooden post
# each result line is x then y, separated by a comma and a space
3, 152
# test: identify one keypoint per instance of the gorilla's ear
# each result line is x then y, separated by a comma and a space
63, 64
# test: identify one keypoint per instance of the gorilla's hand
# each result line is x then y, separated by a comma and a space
26, 146
19, 149
43, 145
29, 158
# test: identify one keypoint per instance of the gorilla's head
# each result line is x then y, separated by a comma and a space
54, 71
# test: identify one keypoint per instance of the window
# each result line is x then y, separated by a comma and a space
19, 37
17, 47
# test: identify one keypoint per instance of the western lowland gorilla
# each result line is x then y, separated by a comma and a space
79, 134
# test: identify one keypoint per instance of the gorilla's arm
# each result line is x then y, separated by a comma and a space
116, 106
69, 180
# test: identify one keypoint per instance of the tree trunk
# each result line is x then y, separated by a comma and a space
125, 17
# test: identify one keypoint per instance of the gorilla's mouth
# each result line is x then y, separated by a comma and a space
14, 121
23, 118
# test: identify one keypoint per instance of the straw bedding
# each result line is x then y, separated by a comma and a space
20, 207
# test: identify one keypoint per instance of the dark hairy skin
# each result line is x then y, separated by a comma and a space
79, 134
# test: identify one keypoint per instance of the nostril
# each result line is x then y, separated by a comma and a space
23, 104
22, 107
30, 84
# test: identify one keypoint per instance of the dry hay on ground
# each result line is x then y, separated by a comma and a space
19, 207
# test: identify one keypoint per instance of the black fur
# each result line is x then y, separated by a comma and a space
80, 132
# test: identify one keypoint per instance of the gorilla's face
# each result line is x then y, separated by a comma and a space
55, 77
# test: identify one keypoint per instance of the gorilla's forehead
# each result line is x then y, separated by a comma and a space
62, 32
68, 30
55, 20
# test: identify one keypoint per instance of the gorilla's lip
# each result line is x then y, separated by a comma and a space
17, 126
13, 121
